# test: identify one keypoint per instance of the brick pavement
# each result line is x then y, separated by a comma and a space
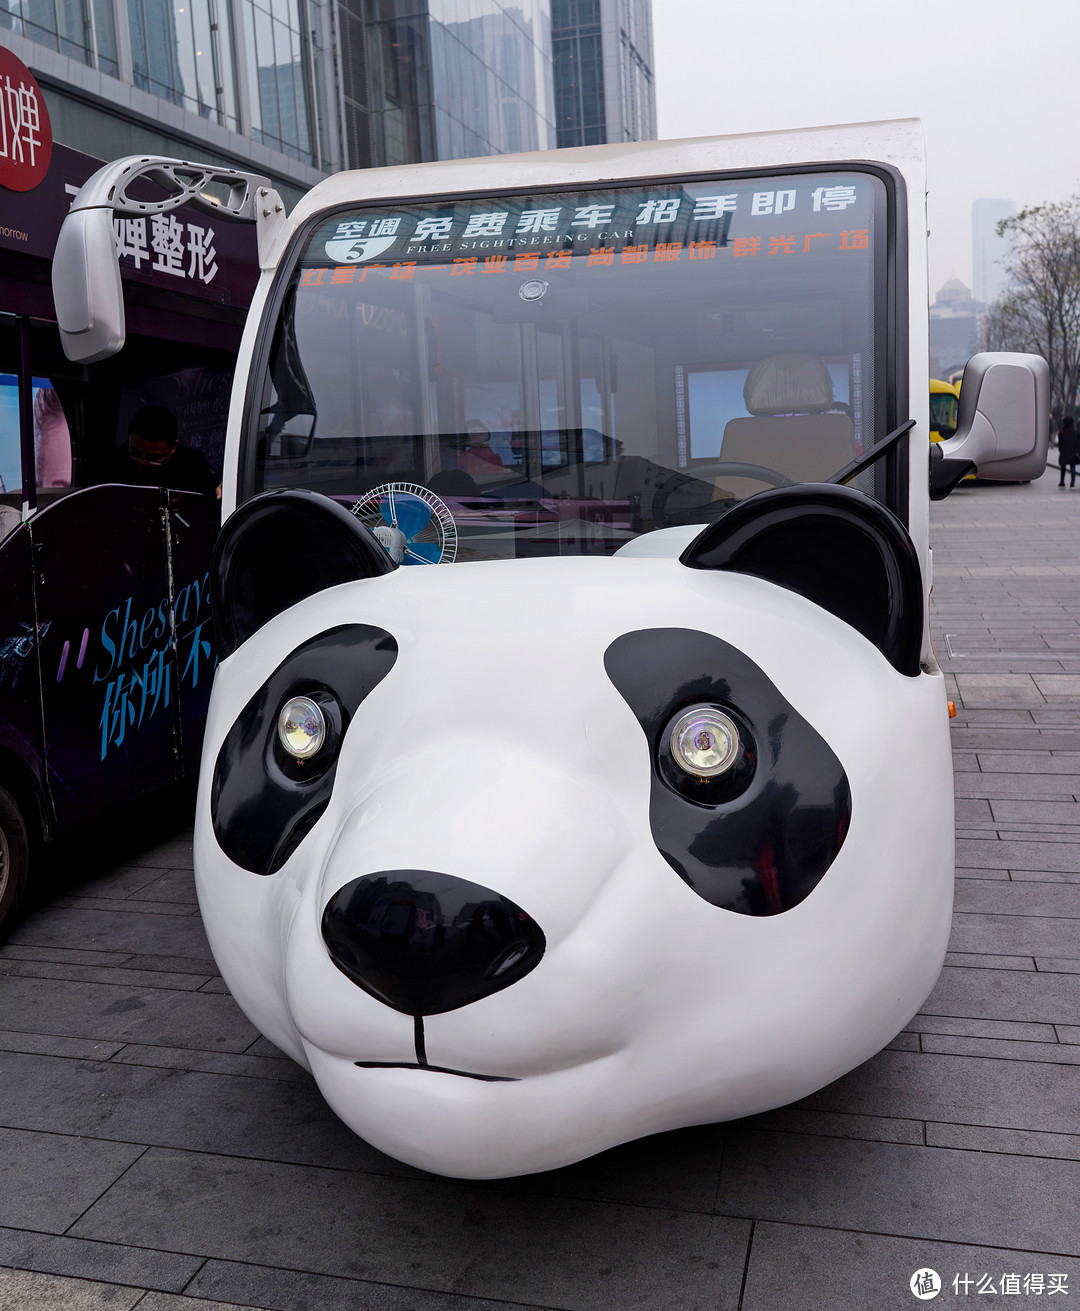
155, 1152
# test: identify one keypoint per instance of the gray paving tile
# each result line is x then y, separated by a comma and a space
1032, 738
1058, 685
119, 881
86, 901
833, 1124
1039, 787
998, 718
999, 689
1057, 965
22, 1290
262, 1047
108, 1012
204, 965
123, 978
930, 1193
431, 1234
1030, 833
81, 1258
174, 885
175, 854
1007, 809
62, 955
1054, 715
970, 810
959, 1090
802, 1268
1006, 995
47, 1044
184, 1058
1029, 762
47, 1180
1017, 935
286, 1290
983, 1028
1056, 1053
1018, 855
273, 1120
132, 930
994, 897
1043, 876
982, 1138
675, 1171
975, 961
171, 1302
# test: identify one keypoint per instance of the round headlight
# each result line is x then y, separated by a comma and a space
301, 727
704, 742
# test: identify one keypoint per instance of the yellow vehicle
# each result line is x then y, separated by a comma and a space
944, 409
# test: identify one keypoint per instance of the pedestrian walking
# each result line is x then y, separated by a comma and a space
1068, 449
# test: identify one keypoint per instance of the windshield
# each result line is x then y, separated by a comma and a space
546, 374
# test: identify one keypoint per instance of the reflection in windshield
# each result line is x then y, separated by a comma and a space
561, 373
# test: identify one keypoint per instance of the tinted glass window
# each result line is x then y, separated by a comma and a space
566, 371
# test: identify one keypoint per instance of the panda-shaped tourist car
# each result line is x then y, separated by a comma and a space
529, 858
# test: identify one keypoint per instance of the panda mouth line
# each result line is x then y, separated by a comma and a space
421, 1062
435, 1069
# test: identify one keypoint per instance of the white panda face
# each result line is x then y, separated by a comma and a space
496, 917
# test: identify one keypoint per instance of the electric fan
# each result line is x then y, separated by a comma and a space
411, 522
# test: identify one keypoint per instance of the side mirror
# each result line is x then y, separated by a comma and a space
1004, 423
87, 290
87, 293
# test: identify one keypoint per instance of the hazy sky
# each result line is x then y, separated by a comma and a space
996, 85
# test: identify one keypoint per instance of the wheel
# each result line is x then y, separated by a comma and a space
687, 497
14, 859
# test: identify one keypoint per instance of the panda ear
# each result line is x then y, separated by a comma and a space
278, 548
837, 547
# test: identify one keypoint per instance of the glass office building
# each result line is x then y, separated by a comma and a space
292, 88
238, 82
445, 79
603, 61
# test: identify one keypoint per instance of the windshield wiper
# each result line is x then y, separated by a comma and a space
871, 456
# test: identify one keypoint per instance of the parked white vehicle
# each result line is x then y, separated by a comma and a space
644, 818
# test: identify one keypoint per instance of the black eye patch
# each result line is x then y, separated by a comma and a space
759, 840
262, 802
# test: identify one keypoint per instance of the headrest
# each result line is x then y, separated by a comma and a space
788, 384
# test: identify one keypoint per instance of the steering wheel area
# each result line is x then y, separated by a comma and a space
687, 498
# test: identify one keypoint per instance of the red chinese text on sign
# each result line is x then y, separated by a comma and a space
25, 130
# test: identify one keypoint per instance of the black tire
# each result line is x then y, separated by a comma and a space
14, 859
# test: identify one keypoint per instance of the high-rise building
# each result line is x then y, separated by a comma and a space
444, 79
988, 249
954, 328
292, 88
603, 71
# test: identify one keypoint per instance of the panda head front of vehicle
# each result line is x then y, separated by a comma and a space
524, 859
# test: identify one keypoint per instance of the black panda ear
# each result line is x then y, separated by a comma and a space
837, 547
278, 548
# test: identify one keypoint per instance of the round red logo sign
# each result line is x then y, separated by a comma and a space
25, 130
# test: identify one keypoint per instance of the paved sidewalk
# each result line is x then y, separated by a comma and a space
155, 1152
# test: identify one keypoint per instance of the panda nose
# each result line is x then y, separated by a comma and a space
424, 942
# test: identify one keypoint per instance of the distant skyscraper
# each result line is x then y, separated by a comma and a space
603, 71
988, 250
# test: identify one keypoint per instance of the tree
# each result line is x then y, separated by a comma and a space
1040, 312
